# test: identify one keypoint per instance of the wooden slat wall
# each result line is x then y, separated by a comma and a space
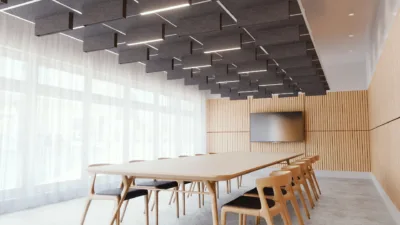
384, 114
328, 132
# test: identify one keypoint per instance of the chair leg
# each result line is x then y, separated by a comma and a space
124, 210
310, 199
238, 182
227, 186
117, 219
88, 202
241, 181
203, 187
316, 182
223, 217
190, 189
257, 220
146, 209
303, 201
244, 219
156, 204
286, 213
313, 188
183, 199
240, 219
171, 198
198, 190
296, 207
177, 200
217, 188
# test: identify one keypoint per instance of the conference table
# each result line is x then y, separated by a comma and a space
208, 169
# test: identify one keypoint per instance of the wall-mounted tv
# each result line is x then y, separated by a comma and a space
277, 127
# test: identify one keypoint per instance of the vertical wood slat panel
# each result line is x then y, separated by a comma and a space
337, 111
228, 142
226, 115
296, 147
341, 151
277, 104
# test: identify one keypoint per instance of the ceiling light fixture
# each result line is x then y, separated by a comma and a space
77, 11
351, 35
19, 5
195, 67
78, 27
250, 91
145, 42
165, 9
228, 81
351, 14
268, 85
252, 71
112, 28
17, 17
288, 93
222, 50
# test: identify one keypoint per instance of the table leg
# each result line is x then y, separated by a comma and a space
211, 188
126, 183
183, 198
288, 161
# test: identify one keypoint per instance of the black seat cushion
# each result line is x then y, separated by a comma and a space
132, 193
160, 184
268, 191
249, 203
187, 182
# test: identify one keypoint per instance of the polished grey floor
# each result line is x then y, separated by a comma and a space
343, 202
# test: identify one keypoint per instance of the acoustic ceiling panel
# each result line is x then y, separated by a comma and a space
215, 70
287, 50
277, 36
288, 95
178, 74
239, 56
236, 96
265, 13
303, 71
195, 79
148, 34
175, 49
227, 79
138, 54
307, 79
103, 11
222, 43
315, 93
3, 2
252, 67
200, 24
155, 6
197, 61
295, 62
100, 42
54, 24
159, 65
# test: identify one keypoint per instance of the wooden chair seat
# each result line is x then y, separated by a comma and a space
132, 193
248, 203
268, 191
159, 184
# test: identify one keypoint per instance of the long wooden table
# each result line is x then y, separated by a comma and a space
208, 169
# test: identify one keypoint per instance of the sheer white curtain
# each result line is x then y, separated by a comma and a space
62, 109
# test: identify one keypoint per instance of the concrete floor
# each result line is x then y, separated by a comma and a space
343, 202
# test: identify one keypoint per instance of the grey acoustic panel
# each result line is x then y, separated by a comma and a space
253, 66
288, 95
236, 96
215, 89
138, 54
145, 34
316, 93
215, 70
277, 36
159, 65
222, 42
304, 71
54, 24
200, 24
178, 74
227, 79
147, 6
103, 11
306, 79
209, 85
265, 13
295, 62
3, 2
243, 55
100, 42
199, 60
195, 79
176, 49
287, 50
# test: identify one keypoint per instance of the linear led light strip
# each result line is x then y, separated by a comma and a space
19, 5
115, 29
192, 67
222, 50
229, 81
288, 93
165, 9
17, 17
268, 85
252, 71
75, 10
251, 91
145, 42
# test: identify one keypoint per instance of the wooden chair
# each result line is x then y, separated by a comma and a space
303, 181
114, 195
287, 195
309, 177
262, 206
164, 185
297, 176
314, 159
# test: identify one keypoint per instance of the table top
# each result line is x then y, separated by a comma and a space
215, 167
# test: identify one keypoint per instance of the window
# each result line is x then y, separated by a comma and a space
61, 79
12, 69
138, 95
187, 106
58, 140
142, 135
106, 88
167, 135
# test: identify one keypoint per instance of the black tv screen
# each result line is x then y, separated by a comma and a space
277, 127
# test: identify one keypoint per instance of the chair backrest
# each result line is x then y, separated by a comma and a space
199, 154
212, 153
91, 190
295, 169
183, 156
308, 163
311, 158
99, 164
303, 166
277, 180
136, 161
163, 158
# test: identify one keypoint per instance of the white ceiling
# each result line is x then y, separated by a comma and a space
343, 58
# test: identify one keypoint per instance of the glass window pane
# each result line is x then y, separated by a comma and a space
167, 135
12, 68
61, 79
106, 88
142, 96
141, 127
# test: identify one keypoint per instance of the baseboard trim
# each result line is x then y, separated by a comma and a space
343, 174
388, 202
